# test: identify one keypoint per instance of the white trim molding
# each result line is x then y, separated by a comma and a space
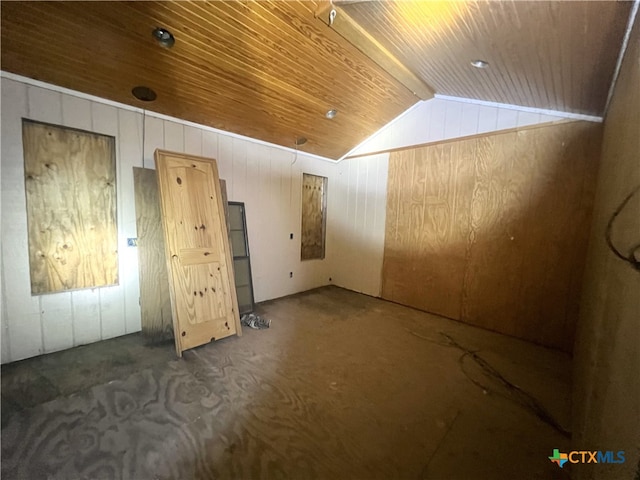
543, 111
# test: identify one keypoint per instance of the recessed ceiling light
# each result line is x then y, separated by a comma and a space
300, 141
479, 63
331, 113
144, 93
164, 37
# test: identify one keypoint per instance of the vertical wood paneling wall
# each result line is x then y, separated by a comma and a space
356, 223
267, 179
442, 119
493, 231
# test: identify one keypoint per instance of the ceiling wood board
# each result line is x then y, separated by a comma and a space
551, 55
340, 21
267, 70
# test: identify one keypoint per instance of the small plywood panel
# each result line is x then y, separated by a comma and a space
155, 301
70, 183
203, 296
313, 216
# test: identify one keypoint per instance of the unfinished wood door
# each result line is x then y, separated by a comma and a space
203, 297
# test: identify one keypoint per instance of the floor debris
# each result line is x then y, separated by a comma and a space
254, 321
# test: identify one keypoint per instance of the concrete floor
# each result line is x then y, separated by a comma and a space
341, 386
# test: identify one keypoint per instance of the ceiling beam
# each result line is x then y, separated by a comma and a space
352, 32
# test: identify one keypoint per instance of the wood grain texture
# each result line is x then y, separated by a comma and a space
338, 388
552, 55
258, 69
492, 230
493, 265
70, 182
367, 44
313, 217
155, 301
202, 286
435, 233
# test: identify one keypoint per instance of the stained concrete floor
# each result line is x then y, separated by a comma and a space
341, 386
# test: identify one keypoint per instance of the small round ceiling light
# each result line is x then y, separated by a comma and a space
300, 141
144, 94
164, 37
479, 63
331, 114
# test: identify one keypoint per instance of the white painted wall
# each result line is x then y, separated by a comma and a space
267, 178
357, 233
444, 118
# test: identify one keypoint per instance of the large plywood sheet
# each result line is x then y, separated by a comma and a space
202, 290
70, 182
155, 301
493, 230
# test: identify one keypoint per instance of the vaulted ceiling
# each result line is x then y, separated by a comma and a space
272, 69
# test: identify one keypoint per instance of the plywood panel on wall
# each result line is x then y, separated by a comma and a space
436, 207
70, 182
155, 302
203, 297
493, 230
313, 216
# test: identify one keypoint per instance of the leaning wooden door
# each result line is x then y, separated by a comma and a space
202, 286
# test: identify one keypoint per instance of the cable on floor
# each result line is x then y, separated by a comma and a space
520, 396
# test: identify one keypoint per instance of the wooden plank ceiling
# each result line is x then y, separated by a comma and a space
271, 70
557, 55
268, 70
